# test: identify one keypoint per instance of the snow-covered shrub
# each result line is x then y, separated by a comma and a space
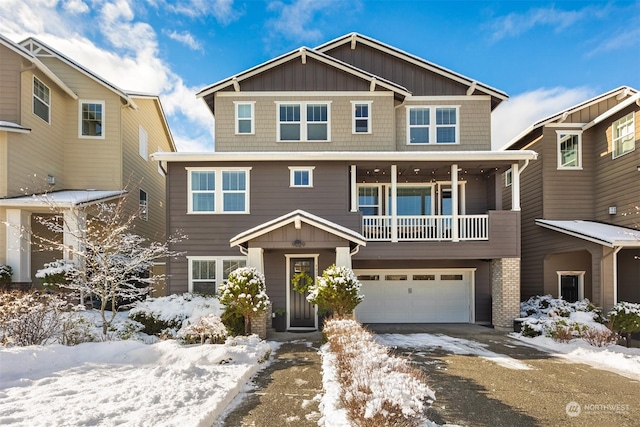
624, 318
165, 315
337, 290
6, 273
377, 388
28, 318
207, 328
56, 273
245, 293
76, 329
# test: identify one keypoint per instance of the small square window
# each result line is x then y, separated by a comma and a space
301, 176
245, 118
361, 117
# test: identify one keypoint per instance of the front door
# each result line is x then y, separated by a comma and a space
569, 287
302, 314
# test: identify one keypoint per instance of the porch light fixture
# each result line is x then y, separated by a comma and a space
612, 210
376, 170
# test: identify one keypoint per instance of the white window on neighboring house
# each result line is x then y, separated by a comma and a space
301, 176
508, 178
142, 143
91, 120
218, 190
569, 149
623, 136
304, 121
245, 122
144, 205
361, 118
206, 273
41, 100
433, 125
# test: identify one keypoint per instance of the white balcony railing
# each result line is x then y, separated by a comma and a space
425, 228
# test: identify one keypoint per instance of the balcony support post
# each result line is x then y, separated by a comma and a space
354, 190
515, 187
454, 203
394, 203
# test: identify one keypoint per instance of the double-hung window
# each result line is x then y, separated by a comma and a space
245, 122
433, 125
218, 190
569, 149
304, 121
301, 176
206, 273
41, 100
361, 116
624, 135
91, 119
369, 201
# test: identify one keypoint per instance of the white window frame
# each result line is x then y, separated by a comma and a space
251, 119
218, 192
508, 177
580, 275
623, 122
433, 126
560, 134
381, 196
143, 138
36, 97
219, 270
81, 102
143, 205
432, 185
303, 123
292, 173
354, 105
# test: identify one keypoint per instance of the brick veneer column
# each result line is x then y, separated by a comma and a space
505, 291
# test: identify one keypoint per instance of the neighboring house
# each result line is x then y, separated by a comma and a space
359, 154
72, 139
581, 201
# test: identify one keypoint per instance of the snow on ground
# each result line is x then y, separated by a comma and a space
447, 343
614, 358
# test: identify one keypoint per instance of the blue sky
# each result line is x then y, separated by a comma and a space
546, 55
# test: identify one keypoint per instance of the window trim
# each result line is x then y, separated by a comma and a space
143, 205
81, 102
431, 185
432, 126
577, 133
218, 193
381, 196
219, 260
294, 169
354, 104
143, 153
508, 177
303, 121
34, 97
614, 126
252, 119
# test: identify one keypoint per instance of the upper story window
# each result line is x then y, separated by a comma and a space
41, 100
624, 135
245, 122
206, 273
569, 149
304, 121
301, 176
433, 125
361, 117
92, 119
142, 143
218, 190
144, 205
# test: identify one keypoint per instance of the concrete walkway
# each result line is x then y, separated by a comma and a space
284, 392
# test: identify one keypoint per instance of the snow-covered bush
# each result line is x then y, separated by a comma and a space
245, 293
624, 318
28, 318
56, 273
207, 328
337, 290
6, 273
166, 315
376, 388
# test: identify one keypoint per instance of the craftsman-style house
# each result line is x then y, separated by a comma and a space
360, 154
581, 201
69, 139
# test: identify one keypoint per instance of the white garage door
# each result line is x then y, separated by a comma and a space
416, 296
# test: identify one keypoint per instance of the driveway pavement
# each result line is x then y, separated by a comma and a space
473, 390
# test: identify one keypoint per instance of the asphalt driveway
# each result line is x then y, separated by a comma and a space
473, 390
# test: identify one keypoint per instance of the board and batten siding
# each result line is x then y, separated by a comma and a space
10, 67
342, 138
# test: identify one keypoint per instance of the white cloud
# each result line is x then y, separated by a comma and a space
76, 6
628, 37
185, 38
222, 10
521, 111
